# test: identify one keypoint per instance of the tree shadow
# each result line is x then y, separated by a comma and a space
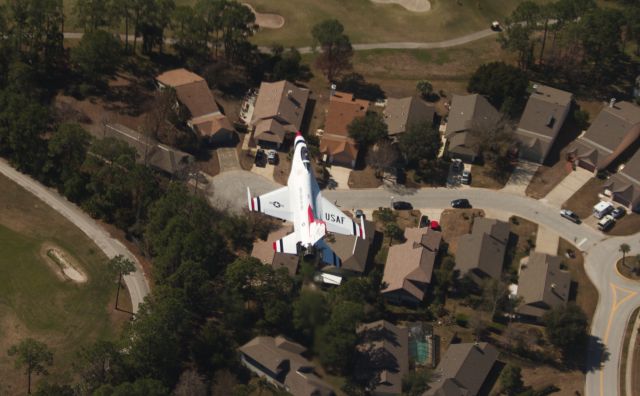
597, 354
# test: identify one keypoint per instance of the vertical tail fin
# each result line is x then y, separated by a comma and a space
249, 201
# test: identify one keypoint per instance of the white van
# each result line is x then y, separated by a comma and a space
602, 209
606, 222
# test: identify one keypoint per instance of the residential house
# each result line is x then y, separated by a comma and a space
481, 253
335, 143
278, 111
352, 250
409, 266
468, 112
624, 186
382, 357
463, 370
613, 132
542, 285
149, 151
263, 251
193, 92
280, 362
543, 117
399, 114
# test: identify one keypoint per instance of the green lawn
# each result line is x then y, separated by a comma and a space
34, 302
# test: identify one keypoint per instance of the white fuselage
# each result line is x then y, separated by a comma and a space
307, 224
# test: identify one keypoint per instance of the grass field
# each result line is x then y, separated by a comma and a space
34, 302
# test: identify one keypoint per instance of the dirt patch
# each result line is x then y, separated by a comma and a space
266, 20
483, 177
282, 169
411, 5
570, 383
62, 263
546, 178
628, 225
457, 222
585, 198
365, 178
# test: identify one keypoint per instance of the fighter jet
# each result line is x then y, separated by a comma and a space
301, 203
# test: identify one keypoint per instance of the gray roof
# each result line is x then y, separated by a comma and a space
463, 143
484, 249
282, 356
542, 285
463, 369
400, 113
352, 250
157, 155
543, 116
467, 110
382, 356
611, 133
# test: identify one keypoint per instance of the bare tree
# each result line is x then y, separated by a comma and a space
382, 157
190, 384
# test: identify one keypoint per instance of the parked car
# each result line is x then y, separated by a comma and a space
435, 225
466, 177
570, 214
495, 26
261, 158
424, 221
402, 205
602, 209
457, 164
272, 156
360, 214
460, 203
606, 223
618, 212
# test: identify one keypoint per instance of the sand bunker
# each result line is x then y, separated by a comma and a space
267, 21
411, 5
64, 266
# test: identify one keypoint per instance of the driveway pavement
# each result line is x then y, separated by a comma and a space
266, 171
229, 189
547, 241
228, 159
341, 176
520, 178
136, 282
567, 187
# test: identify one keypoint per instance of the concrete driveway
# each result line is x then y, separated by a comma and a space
567, 187
520, 178
229, 189
266, 171
341, 176
228, 159
547, 240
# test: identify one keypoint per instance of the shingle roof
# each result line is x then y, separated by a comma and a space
463, 369
352, 250
281, 100
274, 353
409, 266
158, 155
192, 91
263, 251
610, 134
343, 109
465, 110
484, 248
212, 124
542, 285
382, 356
543, 116
400, 113
338, 145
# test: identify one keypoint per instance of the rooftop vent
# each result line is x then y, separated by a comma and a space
550, 121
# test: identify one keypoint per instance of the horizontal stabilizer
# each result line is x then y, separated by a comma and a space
288, 244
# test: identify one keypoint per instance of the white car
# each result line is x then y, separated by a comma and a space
606, 223
466, 177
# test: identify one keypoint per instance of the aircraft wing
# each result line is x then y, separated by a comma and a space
288, 244
274, 203
337, 221
329, 257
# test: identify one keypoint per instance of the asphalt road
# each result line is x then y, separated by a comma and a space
136, 283
618, 296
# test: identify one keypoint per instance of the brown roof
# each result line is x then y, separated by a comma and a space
409, 266
263, 251
463, 369
352, 250
382, 356
467, 110
610, 134
282, 357
343, 109
484, 248
192, 91
336, 145
271, 130
282, 101
400, 113
158, 155
212, 124
542, 285
543, 116
625, 185
463, 143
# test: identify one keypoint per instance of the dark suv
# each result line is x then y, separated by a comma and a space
402, 205
460, 203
